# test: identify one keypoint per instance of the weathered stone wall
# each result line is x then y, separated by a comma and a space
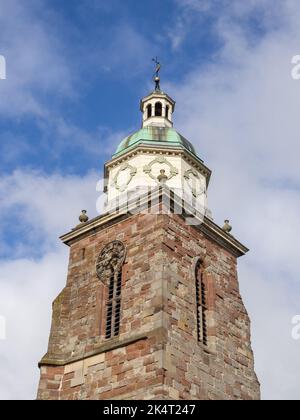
156, 354
223, 369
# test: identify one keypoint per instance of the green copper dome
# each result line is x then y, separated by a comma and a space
154, 136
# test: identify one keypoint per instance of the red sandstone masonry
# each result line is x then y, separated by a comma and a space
158, 311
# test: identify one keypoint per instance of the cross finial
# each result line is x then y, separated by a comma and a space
156, 77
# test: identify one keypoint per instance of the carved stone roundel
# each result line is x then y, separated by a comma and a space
110, 259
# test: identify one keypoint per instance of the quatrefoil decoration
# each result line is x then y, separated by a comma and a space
193, 180
160, 160
131, 173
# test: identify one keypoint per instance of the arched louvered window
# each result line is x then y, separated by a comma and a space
201, 305
109, 270
149, 111
113, 305
158, 109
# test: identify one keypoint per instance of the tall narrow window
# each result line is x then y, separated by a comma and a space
113, 305
109, 270
167, 112
149, 111
201, 304
158, 109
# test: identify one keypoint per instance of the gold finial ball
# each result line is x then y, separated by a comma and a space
227, 228
83, 217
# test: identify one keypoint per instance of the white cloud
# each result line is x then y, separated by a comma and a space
272, 300
121, 52
35, 63
64, 136
45, 207
28, 288
43, 72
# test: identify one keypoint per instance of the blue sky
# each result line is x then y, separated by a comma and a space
76, 71
102, 51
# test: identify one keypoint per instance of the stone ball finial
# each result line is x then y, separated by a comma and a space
227, 228
157, 83
83, 218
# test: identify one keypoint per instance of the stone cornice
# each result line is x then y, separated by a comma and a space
217, 234
103, 347
156, 94
161, 195
165, 150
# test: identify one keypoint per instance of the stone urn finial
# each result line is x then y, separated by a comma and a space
162, 177
83, 218
227, 228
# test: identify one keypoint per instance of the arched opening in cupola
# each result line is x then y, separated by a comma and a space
167, 112
149, 111
158, 109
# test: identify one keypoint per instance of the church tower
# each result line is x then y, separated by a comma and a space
151, 308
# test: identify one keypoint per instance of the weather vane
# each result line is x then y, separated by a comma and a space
156, 77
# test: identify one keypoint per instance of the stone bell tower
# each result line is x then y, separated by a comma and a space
151, 308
